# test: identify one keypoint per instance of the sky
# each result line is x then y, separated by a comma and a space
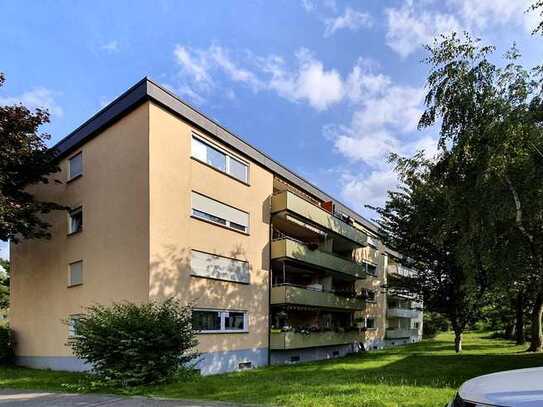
328, 88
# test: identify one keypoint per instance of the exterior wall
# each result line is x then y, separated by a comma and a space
173, 233
310, 354
374, 338
113, 244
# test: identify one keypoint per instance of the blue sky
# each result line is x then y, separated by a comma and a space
328, 88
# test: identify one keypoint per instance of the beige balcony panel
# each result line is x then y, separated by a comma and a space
291, 249
403, 313
287, 201
297, 295
400, 333
293, 340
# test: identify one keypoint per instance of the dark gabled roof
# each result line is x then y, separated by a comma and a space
146, 90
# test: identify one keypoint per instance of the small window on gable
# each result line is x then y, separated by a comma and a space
75, 276
75, 166
75, 220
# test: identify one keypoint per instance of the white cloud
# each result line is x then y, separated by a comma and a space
480, 14
110, 47
36, 98
308, 81
417, 22
370, 189
410, 28
351, 19
308, 5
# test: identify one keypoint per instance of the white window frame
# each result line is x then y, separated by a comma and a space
223, 315
78, 209
70, 283
71, 324
374, 323
228, 155
70, 176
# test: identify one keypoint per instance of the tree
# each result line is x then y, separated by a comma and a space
132, 344
24, 160
4, 284
425, 219
491, 131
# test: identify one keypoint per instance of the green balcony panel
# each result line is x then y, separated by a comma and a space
400, 333
293, 340
287, 201
403, 313
286, 294
293, 250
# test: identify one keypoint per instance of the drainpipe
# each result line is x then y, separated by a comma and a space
269, 289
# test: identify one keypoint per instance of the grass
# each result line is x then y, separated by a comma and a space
424, 374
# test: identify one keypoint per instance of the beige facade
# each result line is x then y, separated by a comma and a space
146, 235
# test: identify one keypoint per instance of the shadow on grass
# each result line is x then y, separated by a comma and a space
353, 375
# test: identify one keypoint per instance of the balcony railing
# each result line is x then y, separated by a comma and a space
288, 294
287, 201
399, 333
403, 313
295, 340
290, 249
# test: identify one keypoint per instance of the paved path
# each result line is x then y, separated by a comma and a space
21, 398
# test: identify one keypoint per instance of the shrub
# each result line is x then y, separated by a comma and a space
6, 345
132, 344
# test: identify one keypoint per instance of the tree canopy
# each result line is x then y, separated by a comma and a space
25, 160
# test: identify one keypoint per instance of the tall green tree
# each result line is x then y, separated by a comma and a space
25, 160
425, 219
490, 120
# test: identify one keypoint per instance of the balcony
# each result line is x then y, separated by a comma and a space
402, 313
399, 333
293, 250
286, 201
294, 340
287, 294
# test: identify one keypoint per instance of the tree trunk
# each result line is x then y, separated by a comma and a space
458, 341
537, 313
520, 338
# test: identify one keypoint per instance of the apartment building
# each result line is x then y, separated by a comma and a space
166, 202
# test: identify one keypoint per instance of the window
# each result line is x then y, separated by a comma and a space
75, 276
213, 211
370, 323
75, 166
219, 160
72, 324
371, 269
219, 267
75, 220
216, 321
370, 296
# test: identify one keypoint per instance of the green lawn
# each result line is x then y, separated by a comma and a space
424, 374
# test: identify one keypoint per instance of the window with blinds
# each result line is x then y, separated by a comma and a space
218, 267
216, 212
75, 274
